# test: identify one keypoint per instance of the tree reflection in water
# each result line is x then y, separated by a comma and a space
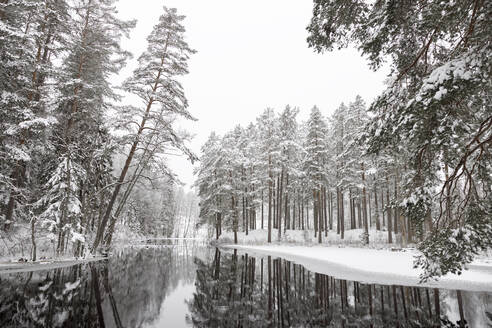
230, 290
127, 290
243, 291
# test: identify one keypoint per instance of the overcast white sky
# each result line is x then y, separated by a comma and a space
251, 55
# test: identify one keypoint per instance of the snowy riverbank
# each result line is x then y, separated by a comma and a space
48, 264
16, 249
375, 264
377, 239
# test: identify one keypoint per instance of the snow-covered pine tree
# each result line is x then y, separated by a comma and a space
436, 108
252, 174
31, 33
210, 183
82, 167
232, 143
338, 137
356, 162
155, 82
268, 136
290, 149
331, 169
314, 163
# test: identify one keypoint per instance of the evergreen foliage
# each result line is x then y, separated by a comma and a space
58, 144
435, 112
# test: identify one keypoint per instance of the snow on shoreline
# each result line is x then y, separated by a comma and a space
353, 237
371, 266
14, 267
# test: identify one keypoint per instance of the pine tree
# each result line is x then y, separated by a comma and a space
252, 176
155, 83
435, 109
357, 163
31, 32
314, 163
232, 144
210, 183
267, 127
83, 146
290, 150
338, 134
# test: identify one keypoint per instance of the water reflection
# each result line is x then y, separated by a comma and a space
127, 290
180, 283
243, 291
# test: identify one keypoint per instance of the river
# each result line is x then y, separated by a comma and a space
180, 283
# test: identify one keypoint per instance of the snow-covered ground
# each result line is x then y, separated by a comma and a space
16, 248
13, 267
302, 237
381, 266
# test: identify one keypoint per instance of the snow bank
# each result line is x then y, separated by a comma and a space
13, 267
306, 237
384, 267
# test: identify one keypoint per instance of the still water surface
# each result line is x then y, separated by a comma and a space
187, 284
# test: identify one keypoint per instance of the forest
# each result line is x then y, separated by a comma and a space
373, 212
78, 156
83, 158
415, 163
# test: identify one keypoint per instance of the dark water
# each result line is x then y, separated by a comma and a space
186, 284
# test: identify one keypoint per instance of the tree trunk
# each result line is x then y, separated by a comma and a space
270, 293
395, 212
352, 209
331, 210
364, 206
279, 203
9, 215
294, 213
315, 213
262, 215
274, 200
220, 223
235, 218
286, 204
342, 217
302, 213
359, 213
121, 179
103, 223
390, 222
369, 201
217, 226
325, 212
114, 218
269, 199
376, 211
382, 207
320, 217
307, 216
245, 214
33, 239
448, 195
338, 211
398, 216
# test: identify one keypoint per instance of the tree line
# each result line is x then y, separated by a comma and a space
63, 122
278, 173
417, 163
